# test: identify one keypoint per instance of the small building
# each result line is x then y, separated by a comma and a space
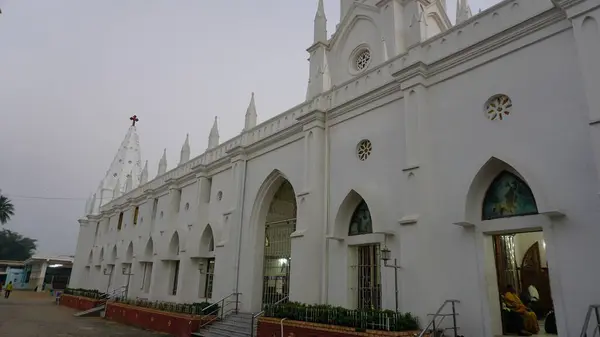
11, 271
47, 272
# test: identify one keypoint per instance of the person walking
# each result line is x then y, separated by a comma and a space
8, 289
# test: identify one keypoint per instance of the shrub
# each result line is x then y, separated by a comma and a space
198, 308
359, 319
89, 293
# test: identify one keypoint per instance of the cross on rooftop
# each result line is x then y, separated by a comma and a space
133, 119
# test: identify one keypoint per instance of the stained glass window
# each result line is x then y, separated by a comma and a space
508, 196
360, 223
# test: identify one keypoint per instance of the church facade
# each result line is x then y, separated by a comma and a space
468, 153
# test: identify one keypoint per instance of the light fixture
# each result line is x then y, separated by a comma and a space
385, 254
55, 265
283, 261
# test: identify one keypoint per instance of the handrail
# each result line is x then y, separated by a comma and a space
595, 308
438, 314
255, 316
221, 308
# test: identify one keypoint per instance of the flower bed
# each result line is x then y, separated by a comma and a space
325, 320
269, 327
175, 324
78, 302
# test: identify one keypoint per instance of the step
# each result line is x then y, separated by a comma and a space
229, 329
96, 311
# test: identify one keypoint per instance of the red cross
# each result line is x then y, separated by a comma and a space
133, 119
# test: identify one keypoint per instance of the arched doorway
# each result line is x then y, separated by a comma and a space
146, 266
173, 264
279, 225
365, 261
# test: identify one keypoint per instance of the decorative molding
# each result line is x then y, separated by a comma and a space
411, 168
298, 234
464, 224
554, 214
331, 237
409, 219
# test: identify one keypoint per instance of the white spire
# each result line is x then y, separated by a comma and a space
162, 164
250, 115
92, 209
463, 11
128, 160
117, 190
144, 176
129, 182
88, 205
185, 150
320, 24
213, 138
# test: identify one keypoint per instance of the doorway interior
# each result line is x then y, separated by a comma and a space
520, 261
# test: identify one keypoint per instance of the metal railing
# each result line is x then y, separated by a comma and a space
115, 293
586, 324
260, 313
435, 325
221, 309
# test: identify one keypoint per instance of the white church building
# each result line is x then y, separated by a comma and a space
470, 152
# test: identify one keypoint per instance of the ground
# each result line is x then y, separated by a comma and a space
29, 314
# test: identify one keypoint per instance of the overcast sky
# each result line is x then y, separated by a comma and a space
74, 71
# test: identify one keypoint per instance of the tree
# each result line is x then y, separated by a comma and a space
6, 209
16, 247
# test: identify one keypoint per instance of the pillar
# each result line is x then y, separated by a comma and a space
308, 255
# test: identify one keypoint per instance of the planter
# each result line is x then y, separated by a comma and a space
178, 325
269, 327
78, 302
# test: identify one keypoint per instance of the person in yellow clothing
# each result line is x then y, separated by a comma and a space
8, 289
513, 301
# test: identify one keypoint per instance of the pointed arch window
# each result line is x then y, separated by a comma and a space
508, 196
361, 223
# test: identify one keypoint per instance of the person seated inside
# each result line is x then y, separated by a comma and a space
512, 321
513, 302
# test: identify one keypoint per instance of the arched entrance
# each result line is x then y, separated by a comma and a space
279, 225
504, 212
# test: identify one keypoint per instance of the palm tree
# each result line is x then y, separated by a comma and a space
6, 209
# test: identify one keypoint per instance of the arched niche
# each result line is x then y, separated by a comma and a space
508, 195
113, 255
207, 242
129, 253
148, 253
174, 246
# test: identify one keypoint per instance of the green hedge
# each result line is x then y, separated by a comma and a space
179, 308
89, 293
360, 319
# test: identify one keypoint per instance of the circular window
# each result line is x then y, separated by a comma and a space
364, 149
115, 175
219, 195
498, 107
129, 162
187, 206
362, 60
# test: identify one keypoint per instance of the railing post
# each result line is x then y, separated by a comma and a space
454, 319
237, 302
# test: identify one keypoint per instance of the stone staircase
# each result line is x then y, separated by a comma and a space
234, 325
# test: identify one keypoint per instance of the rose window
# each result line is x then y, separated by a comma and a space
362, 60
364, 149
498, 107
